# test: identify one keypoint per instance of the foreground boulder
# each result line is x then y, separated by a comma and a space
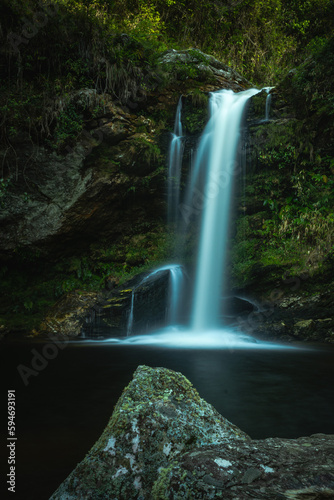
164, 442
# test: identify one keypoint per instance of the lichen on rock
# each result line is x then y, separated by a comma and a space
164, 442
159, 416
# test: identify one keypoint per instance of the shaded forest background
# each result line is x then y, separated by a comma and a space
64, 42
50, 49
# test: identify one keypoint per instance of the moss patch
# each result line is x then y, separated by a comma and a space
158, 415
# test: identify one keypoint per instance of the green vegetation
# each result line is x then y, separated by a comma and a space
294, 232
4, 185
291, 185
69, 125
30, 289
196, 112
53, 49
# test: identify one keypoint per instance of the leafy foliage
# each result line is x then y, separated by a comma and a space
4, 184
195, 112
52, 49
296, 227
69, 126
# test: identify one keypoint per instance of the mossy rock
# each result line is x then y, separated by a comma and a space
66, 317
191, 65
164, 442
158, 416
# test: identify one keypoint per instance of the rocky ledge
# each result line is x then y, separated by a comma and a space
164, 442
293, 315
107, 313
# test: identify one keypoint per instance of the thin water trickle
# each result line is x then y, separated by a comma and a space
175, 164
130, 319
175, 294
268, 104
176, 288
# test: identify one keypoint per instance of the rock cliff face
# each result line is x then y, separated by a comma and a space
74, 197
84, 217
281, 259
112, 177
137, 306
163, 441
81, 213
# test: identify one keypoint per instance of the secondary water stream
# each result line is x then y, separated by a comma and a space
175, 165
176, 282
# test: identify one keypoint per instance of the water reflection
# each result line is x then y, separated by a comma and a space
273, 392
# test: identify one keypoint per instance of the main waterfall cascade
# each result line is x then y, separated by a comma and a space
221, 137
207, 197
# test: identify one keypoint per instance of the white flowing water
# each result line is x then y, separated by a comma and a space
220, 141
183, 338
130, 319
208, 195
268, 104
176, 288
193, 201
175, 292
175, 164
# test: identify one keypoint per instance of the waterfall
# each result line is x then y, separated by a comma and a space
207, 204
173, 183
206, 214
130, 319
208, 195
268, 103
175, 164
217, 148
175, 291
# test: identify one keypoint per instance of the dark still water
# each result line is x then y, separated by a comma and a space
63, 410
